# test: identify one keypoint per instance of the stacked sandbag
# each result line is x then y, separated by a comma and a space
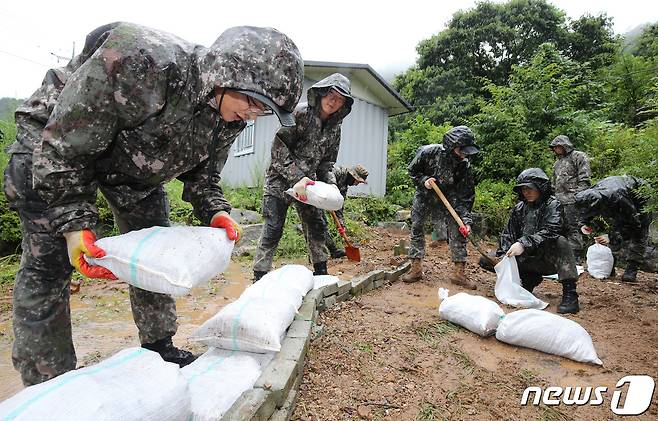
547, 332
475, 313
322, 195
217, 379
168, 260
134, 384
508, 287
257, 321
600, 261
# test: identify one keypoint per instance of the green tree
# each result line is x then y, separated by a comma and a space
646, 44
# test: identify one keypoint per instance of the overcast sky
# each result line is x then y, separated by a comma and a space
381, 34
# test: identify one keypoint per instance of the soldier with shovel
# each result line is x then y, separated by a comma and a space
447, 166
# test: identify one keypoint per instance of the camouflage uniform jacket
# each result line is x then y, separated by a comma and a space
571, 173
614, 198
453, 176
533, 224
309, 149
342, 177
134, 111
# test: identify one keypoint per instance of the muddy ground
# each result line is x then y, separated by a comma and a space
386, 355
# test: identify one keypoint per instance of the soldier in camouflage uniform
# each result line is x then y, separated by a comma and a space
137, 108
345, 177
571, 174
617, 200
448, 166
301, 155
535, 235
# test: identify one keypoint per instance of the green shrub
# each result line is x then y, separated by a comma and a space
494, 200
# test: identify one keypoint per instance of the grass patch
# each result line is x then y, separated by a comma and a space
364, 347
462, 358
430, 412
434, 332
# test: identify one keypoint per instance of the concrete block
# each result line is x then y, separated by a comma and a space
378, 283
330, 289
285, 413
316, 294
299, 329
254, 404
321, 306
294, 349
402, 215
278, 378
307, 311
344, 286
343, 297
376, 275
330, 301
359, 283
395, 274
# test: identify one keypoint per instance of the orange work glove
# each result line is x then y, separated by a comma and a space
300, 188
80, 243
223, 220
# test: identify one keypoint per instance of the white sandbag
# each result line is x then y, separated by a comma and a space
508, 286
548, 332
475, 313
134, 384
217, 379
297, 277
599, 261
168, 260
258, 320
321, 281
322, 195
248, 324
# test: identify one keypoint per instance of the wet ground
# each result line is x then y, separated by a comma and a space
386, 355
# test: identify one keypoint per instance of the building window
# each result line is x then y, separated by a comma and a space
244, 144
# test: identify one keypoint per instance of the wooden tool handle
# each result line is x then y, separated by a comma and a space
341, 230
447, 204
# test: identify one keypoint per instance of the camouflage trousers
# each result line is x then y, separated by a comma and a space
554, 256
630, 244
43, 344
275, 210
573, 234
427, 207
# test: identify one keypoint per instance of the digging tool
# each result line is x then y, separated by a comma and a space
459, 221
352, 252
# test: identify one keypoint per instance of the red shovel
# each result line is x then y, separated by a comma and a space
352, 252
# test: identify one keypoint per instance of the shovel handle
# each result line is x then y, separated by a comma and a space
341, 230
457, 219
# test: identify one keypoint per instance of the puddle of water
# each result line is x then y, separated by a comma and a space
103, 325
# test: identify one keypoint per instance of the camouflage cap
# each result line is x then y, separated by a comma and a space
359, 173
261, 62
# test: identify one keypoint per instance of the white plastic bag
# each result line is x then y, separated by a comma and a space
475, 313
258, 320
548, 332
508, 286
599, 261
217, 379
168, 260
134, 384
322, 195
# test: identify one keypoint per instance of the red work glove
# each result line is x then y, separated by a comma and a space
81, 243
224, 221
587, 230
465, 230
299, 189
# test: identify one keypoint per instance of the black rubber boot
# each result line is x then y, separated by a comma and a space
165, 347
258, 274
630, 274
569, 302
320, 268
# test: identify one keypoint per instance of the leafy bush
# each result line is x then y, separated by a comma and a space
494, 200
